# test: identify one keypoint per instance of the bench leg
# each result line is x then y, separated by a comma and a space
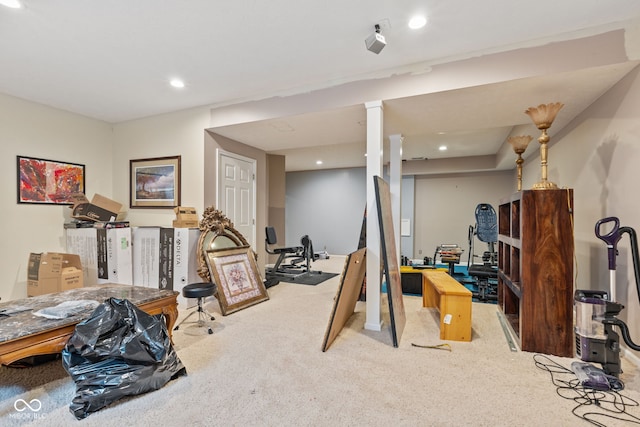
455, 317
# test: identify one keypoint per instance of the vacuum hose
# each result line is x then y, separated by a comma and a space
634, 253
625, 332
611, 239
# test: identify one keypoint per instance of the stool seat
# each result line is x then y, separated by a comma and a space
199, 290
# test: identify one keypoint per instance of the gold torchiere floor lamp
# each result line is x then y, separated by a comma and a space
543, 116
519, 144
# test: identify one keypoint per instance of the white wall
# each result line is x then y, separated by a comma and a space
445, 208
597, 155
180, 133
29, 129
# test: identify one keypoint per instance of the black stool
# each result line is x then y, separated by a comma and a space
200, 291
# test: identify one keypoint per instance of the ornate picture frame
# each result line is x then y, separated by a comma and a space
216, 232
48, 182
155, 182
235, 273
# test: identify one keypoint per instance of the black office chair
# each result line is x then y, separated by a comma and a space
485, 274
200, 291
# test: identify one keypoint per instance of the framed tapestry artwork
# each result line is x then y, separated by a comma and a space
155, 183
235, 272
390, 258
42, 181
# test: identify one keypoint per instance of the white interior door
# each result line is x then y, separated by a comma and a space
236, 192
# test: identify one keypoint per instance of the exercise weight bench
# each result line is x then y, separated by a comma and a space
298, 254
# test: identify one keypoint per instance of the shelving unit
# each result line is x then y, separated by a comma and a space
535, 269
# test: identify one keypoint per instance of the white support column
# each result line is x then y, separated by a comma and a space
374, 167
395, 185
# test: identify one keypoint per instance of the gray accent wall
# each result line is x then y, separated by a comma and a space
328, 205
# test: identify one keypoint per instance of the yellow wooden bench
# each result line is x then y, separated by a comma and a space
452, 300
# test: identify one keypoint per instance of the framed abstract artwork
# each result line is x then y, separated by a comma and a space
155, 183
235, 272
42, 181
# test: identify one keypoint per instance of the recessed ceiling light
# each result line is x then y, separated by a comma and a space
318, 162
177, 83
417, 21
14, 4
442, 148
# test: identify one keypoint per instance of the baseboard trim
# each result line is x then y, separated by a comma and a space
631, 357
373, 326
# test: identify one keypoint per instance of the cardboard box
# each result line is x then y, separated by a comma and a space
106, 254
153, 257
51, 272
101, 250
185, 262
146, 256
84, 243
119, 255
165, 278
99, 209
186, 217
165, 258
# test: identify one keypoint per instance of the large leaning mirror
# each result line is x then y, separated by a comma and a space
216, 232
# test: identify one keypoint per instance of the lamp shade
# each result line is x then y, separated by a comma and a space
519, 143
544, 114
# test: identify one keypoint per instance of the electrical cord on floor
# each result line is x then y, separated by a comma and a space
444, 346
594, 406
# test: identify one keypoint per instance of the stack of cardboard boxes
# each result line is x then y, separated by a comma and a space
157, 257
101, 249
186, 217
51, 272
104, 248
165, 258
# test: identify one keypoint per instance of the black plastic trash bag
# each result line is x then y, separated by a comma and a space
119, 351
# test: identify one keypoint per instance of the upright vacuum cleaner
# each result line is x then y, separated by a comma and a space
596, 311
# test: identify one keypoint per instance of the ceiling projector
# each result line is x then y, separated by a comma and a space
375, 42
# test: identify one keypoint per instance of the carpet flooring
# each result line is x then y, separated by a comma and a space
264, 366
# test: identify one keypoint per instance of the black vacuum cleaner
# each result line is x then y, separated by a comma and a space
597, 311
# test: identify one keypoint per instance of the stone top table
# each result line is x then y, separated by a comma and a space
23, 334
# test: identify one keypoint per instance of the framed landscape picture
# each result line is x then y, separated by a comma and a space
235, 273
42, 181
155, 183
